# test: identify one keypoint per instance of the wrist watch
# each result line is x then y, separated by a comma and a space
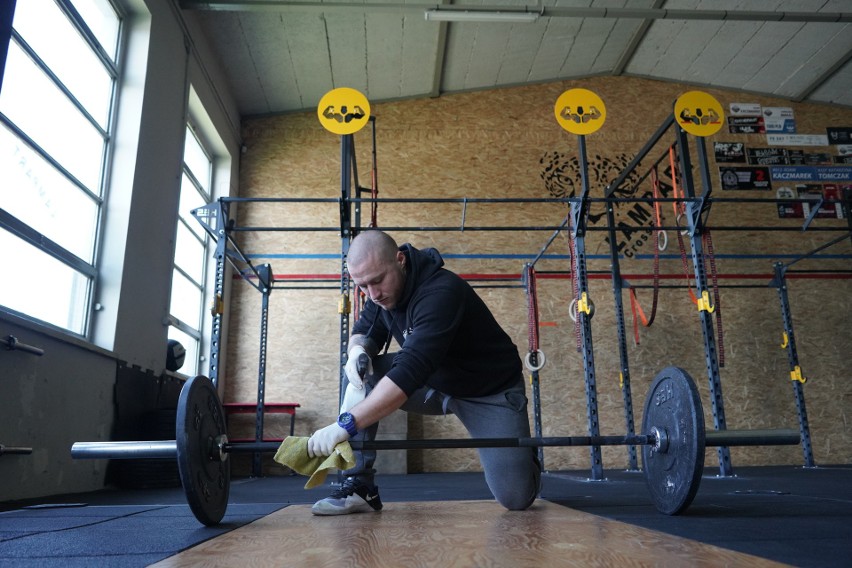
347, 422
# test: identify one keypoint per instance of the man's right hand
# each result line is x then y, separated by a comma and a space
358, 366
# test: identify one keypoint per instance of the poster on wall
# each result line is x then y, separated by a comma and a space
744, 178
767, 156
729, 152
797, 139
744, 109
788, 209
814, 193
839, 135
818, 159
815, 174
779, 120
746, 125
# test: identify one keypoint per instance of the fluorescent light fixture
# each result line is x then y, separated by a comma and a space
480, 16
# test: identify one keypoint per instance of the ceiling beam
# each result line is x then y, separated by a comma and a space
546, 12
825, 76
637, 38
440, 59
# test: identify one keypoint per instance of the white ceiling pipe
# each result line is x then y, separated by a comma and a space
544, 11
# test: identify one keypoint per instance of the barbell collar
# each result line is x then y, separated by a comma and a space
661, 440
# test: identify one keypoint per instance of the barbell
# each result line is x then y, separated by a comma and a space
673, 444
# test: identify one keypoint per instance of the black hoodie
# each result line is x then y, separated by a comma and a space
449, 338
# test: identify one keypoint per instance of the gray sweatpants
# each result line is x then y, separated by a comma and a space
513, 474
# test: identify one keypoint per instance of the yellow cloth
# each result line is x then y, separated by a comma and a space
293, 453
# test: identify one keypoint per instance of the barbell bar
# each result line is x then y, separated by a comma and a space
168, 448
673, 444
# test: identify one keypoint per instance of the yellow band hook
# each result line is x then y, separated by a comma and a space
343, 306
704, 303
583, 304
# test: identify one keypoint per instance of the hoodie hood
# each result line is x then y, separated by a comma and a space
420, 265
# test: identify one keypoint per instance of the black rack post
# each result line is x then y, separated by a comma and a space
579, 214
798, 380
265, 282
694, 210
214, 219
617, 291
347, 163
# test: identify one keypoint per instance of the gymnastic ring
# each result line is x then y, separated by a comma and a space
572, 310
542, 360
663, 243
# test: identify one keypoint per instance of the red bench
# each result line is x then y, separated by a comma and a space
268, 408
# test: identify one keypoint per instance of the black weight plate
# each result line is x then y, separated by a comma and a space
673, 474
200, 420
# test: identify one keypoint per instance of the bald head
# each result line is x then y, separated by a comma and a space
377, 266
374, 245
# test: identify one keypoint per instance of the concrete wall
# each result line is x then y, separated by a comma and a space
68, 395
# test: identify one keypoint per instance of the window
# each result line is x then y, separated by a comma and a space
191, 244
56, 106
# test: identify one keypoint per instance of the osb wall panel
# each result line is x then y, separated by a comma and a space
507, 143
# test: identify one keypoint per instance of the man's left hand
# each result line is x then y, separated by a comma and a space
323, 441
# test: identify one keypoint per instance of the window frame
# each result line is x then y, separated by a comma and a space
20, 228
206, 197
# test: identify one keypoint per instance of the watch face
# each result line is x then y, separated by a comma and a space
347, 422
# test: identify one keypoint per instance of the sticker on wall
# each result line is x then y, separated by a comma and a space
699, 113
788, 209
746, 125
839, 135
729, 151
797, 139
817, 174
744, 178
768, 157
580, 111
779, 119
744, 109
343, 111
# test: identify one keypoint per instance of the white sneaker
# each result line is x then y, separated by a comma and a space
353, 496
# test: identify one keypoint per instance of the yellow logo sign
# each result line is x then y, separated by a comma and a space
699, 113
580, 111
343, 111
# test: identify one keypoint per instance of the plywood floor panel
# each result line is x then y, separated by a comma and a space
453, 534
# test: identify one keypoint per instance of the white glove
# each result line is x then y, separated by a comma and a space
323, 442
351, 397
351, 368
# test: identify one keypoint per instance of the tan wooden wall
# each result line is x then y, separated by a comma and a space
500, 144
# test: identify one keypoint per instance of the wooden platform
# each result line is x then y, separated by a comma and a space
457, 533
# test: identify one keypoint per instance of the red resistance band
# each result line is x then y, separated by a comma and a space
634, 301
